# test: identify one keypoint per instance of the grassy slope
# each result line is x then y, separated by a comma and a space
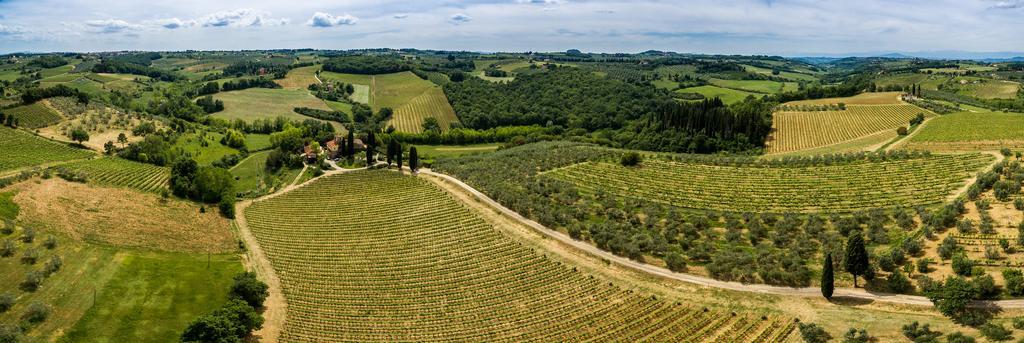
256, 141
727, 95
756, 86
299, 78
262, 103
191, 143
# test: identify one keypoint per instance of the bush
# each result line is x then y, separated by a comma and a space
50, 242
959, 337
995, 332
33, 280
856, 336
902, 131
922, 265
246, 287
812, 333
226, 324
8, 249
898, 283
1018, 323
920, 333
53, 265
29, 235
630, 159
36, 312
962, 265
948, 247
675, 262
10, 333
6, 301
30, 256
227, 207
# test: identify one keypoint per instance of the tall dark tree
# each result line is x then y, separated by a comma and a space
351, 144
856, 256
827, 278
391, 152
398, 155
371, 147
414, 159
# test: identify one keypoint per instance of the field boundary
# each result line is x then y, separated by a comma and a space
809, 292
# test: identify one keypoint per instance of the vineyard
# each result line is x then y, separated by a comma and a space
796, 131
34, 116
431, 104
122, 173
969, 131
410, 263
22, 149
844, 188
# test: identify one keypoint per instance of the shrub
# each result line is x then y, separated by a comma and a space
30, 256
1018, 323
36, 312
50, 242
226, 324
1014, 279
29, 235
991, 252
630, 159
898, 283
7, 301
995, 332
986, 287
33, 279
812, 333
10, 333
675, 262
922, 265
959, 337
962, 265
902, 131
1018, 204
53, 265
920, 333
8, 226
7, 250
856, 336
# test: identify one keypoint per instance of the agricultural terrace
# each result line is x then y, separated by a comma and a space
727, 95
799, 130
848, 187
118, 172
263, 103
410, 263
299, 78
120, 217
970, 131
34, 116
21, 149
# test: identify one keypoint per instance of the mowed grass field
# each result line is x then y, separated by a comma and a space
34, 116
21, 149
412, 98
843, 188
756, 86
970, 131
410, 263
727, 95
299, 78
262, 103
800, 130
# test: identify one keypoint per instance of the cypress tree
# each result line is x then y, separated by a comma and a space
827, 278
351, 144
414, 159
371, 147
856, 256
390, 152
398, 155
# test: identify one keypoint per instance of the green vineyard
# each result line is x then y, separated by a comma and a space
796, 131
431, 104
21, 149
848, 187
123, 173
403, 261
34, 116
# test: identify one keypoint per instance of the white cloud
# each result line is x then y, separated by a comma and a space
245, 17
10, 30
1007, 4
401, 16
111, 26
541, 2
175, 23
460, 18
321, 19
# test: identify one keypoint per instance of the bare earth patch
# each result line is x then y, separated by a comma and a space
121, 217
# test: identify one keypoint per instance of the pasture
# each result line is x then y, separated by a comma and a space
262, 103
800, 130
21, 149
970, 131
755, 86
299, 78
412, 263
844, 188
727, 95
34, 116
204, 147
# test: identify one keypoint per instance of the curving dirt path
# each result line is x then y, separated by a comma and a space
857, 293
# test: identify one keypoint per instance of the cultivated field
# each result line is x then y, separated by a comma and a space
881, 98
846, 187
21, 149
431, 104
299, 78
969, 131
112, 171
121, 217
799, 130
727, 95
262, 103
34, 116
413, 264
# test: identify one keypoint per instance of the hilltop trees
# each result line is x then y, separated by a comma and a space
856, 256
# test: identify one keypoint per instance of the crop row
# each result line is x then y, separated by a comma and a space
376, 256
431, 104
21, 149
804, 130
910, 182
34, 116
123, 173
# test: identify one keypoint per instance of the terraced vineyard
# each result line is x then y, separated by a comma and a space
843, 188
431, 104
21, 149
124, 173
796, 131
409, 263
34, 116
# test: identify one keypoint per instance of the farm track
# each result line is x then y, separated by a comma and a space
452, 184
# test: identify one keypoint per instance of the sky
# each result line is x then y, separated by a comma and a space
749, 27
